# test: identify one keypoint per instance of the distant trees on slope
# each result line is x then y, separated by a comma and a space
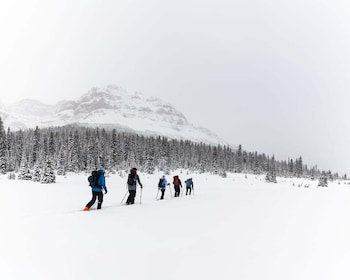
35, 152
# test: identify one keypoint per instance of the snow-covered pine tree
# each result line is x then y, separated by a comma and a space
36, 174
271, 172
48, 176
149, 159
330, 176
299, 167
162, 153
214, 161
256, 164
291, 167
36, 146
61, 160
24, 173
114, 149
239, 160
17, 149
11, 156
52, 145
3, 149
323, 181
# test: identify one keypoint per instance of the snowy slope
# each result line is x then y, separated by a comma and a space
232, 228
110, 107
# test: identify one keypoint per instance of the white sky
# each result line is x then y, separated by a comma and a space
270, 75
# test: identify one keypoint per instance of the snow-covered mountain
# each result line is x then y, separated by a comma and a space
110, 107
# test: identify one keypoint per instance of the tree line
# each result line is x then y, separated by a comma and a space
81, 149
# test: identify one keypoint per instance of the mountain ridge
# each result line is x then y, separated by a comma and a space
109, 107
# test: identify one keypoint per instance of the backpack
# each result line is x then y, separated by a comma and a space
93, 179
176, 180
160, 184
131, 179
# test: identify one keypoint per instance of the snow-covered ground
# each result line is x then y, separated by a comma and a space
232, 228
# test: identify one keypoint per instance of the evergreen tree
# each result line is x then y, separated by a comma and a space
61, 170
36, 146
291, 167
3, 149
299, 167
323, 181
24, 173
11, 153
148, 155
330, 176
48, 176
256, 164
271, 172
36, 174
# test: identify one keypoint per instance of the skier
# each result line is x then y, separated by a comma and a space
177, 184
189, 186
133, 179
162, 185
97, 183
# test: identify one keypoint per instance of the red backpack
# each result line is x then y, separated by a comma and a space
176, 181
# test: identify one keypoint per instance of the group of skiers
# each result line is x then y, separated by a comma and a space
98, 186
177, 185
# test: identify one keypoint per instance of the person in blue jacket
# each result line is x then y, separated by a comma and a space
98, 183
189, 186
162, 185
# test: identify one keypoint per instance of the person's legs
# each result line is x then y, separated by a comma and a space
132, 196
128, 201
100, 200
177, 191
92, 201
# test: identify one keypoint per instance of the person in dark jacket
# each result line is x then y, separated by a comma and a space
177, 184
189, 186
133, 179
96, 189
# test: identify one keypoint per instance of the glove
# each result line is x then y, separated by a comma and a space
106, 191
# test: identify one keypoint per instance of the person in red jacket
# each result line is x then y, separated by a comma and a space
177, 184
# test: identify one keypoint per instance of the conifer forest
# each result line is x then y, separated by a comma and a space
33, 153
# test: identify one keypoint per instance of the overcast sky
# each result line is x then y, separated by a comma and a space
270, 75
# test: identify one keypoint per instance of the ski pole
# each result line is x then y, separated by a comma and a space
124, 197
157, 194
141, 196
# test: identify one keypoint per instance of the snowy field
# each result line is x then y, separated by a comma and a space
232, 228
